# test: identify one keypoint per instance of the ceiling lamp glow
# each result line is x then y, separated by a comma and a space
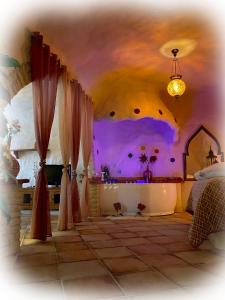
176, 87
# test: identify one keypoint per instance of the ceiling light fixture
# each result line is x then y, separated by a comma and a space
176, 87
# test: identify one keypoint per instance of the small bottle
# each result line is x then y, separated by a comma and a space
102, 176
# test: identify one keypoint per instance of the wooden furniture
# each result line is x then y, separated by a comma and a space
54, 197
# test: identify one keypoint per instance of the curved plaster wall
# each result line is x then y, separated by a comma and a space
119, 144
131, 93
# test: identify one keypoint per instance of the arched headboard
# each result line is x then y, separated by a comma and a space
186, 153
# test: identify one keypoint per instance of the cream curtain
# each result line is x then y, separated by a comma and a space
86, 144
65, 219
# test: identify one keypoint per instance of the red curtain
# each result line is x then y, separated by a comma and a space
45, 70
75, 126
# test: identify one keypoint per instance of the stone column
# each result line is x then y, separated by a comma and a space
11, 202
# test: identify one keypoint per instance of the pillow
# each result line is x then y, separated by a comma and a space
214, 170
216, 173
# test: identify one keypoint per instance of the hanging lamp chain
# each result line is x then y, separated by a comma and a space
175, 64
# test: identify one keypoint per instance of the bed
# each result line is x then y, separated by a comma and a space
207, 204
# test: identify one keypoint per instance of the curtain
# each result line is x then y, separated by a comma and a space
75, 127
44, 73
65, 213
86, 143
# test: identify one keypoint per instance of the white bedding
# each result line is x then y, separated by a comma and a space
215, 170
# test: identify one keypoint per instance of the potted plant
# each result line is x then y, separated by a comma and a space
140, 207
105, 173
118, 208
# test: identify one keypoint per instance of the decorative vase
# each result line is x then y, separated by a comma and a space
14, 166
102, 176
147, 175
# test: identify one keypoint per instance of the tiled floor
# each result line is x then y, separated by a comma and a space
119, 259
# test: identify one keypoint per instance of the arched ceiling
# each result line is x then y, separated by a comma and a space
117, 56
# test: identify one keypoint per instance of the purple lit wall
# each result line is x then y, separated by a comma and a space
118, 145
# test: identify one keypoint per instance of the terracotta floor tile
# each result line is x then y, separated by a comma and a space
94, 288
175, 294
182, 221
91, 231
62, 247
113, 252
128, 222
76, 255
188, 276
28, 241
200, 257
66, 239
65, 233
105, 244
41, 290
26, 261
109, 226
81, 269
114, 230
123, 247
127, 225
134, 241
96, 237
48, 242
147, 249
139, 229
172, 232
179, 238
100, 220
161, 260
143, 283
158, 227
123, 235
88, 223
160, 240
125, 264
88, 227
36, 274
27, 249
178, 247
181, 227
149, 233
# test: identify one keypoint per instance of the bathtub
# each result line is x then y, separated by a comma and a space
159, 198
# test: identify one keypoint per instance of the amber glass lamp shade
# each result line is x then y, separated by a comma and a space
176, 87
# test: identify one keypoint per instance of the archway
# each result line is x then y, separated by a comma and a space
200, 143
